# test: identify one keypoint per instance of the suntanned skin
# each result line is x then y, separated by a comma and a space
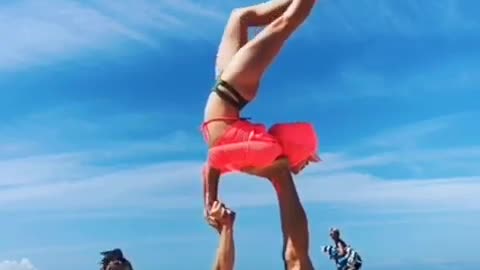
224, 221
242, 63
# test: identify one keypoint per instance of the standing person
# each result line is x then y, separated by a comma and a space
345, 257
236, 144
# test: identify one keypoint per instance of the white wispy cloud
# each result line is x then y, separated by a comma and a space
177, 185
412, 134
440, 177
38, 32
390, 194
77, 154
74, 128
141, 187
23, 264
457, 75
348, 183
46, 168
53, 30
364, 18
171, 18
391, 50
41, 32
418, 148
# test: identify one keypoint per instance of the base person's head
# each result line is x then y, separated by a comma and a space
114, 260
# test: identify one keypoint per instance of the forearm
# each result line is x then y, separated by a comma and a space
225, 258
211, 178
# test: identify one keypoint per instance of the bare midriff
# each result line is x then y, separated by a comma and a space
217, 108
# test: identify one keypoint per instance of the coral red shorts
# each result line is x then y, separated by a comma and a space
248, 145
244, 145
299, 143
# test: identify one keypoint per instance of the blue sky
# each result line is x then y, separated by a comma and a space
101, 102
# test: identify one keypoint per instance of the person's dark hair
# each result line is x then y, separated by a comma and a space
114, 260
334, 231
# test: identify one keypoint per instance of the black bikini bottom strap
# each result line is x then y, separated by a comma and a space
230, 94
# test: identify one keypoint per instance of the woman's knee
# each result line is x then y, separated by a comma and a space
296, 13
241, 16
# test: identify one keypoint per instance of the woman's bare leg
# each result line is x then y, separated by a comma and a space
248, 65
235, 35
